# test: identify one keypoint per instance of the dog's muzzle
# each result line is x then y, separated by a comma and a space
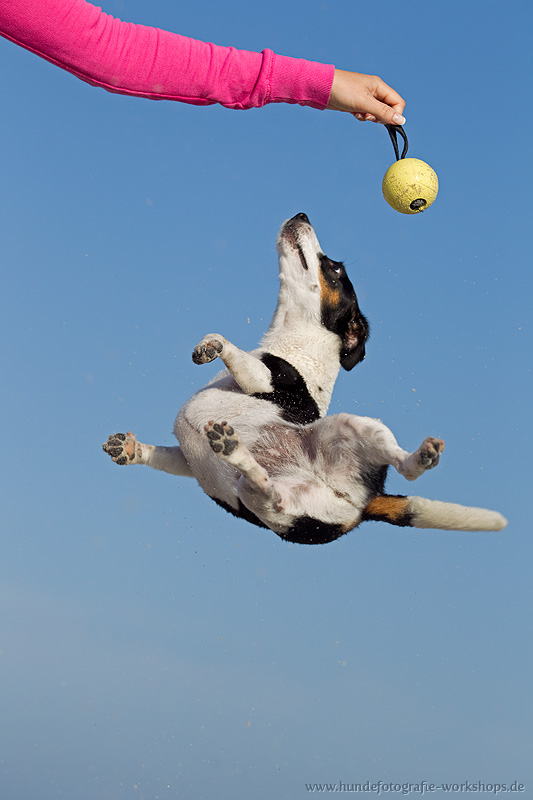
290, 234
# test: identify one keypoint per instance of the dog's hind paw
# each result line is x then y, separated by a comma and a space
123, 448
429, 452
222, 438
208, 349
426, 457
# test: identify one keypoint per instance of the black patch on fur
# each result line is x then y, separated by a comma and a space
374, 479
307, 530
290, 392
241, 511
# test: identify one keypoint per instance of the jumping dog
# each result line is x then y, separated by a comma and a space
257, 438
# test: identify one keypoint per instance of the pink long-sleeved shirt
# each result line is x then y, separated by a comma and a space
148, 62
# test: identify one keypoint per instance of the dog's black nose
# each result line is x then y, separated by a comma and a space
301, 217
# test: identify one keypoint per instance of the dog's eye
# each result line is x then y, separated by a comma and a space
331, 267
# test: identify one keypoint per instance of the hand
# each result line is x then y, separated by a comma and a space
367, 97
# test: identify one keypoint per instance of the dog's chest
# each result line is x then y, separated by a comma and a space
317, 374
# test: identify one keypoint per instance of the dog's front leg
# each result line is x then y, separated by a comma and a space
250, 373
124, 448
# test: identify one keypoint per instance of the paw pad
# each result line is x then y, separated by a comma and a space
207, 351
121, 447
430, 452
222, 438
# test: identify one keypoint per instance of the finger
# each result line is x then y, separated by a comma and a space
362, 117
381, 112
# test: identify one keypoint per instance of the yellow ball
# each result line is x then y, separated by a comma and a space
410, 186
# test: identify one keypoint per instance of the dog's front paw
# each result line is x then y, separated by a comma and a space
222, 438
429, 452
208, 349
123, 448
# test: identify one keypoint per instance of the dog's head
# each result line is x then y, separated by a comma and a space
319, 289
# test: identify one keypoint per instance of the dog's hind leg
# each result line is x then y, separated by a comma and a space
124, 448
250, 373
379, 446
259, 493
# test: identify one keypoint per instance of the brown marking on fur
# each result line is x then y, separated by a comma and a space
388, 508
330, 297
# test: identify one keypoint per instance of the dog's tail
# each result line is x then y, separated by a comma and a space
417, 512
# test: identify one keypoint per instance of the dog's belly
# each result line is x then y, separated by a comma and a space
322, 466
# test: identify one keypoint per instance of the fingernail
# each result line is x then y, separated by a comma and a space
398, 119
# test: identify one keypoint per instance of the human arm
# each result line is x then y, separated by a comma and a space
148, 62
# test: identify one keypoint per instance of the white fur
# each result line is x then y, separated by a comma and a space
453, 517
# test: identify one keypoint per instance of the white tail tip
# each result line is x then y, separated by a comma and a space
453, 517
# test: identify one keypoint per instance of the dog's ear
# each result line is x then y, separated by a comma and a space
354, 341
352, 356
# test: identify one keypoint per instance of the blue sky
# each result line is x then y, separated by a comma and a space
152, 646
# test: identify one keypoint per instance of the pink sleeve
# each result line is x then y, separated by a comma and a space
147, 62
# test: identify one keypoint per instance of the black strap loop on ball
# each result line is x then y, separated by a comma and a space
393, 131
